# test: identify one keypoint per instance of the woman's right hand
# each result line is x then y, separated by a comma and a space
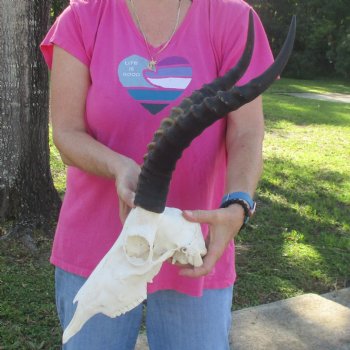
126, 182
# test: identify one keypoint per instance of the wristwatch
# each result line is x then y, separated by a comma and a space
244, 200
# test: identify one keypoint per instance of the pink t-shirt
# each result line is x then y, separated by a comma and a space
125, 105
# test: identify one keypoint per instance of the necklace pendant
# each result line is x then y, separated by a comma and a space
152, 65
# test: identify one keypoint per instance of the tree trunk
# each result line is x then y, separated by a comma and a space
27, 194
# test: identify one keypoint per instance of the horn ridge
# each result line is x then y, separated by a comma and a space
231, 77
235, 97
259, 84
221, 83
190, 120
154, 180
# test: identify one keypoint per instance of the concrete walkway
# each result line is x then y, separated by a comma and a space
306, 322
330, 97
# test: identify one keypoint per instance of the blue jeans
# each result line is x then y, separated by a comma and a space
174, 321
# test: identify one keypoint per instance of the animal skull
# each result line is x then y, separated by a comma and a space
119, 282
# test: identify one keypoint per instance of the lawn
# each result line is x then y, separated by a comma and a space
298, 242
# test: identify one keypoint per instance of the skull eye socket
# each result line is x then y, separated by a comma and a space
137, 249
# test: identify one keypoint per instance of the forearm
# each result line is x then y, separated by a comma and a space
245, 163
79, 149
244, 142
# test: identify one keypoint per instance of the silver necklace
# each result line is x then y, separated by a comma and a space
153, 62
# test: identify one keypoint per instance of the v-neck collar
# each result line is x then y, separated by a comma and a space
185, 22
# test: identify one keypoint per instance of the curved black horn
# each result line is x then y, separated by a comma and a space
177, 132
230, 78
238, 96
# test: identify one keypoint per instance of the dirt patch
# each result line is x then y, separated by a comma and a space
330, 97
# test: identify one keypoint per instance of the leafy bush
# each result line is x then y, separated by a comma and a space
322, 46
323, 35
342, 65
57, 7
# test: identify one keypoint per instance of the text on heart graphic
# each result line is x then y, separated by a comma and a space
155, 89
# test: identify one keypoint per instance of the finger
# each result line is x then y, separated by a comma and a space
122, 216
185, 266
124, 211
199, 271
129, 199
207, 241
209, 262
127, 196
200, 216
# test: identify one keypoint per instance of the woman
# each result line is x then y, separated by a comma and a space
118, 67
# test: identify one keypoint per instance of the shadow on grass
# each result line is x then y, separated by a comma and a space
300, 239
316, 193
317, 86
303, 112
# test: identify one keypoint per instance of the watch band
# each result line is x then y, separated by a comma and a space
239, 195
243, 199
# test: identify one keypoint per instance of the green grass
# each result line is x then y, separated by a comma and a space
299, 241
58, 169
28, 318
316, 86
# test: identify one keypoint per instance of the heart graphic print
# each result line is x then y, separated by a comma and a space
154, 90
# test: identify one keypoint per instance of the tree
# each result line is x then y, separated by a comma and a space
57, 7
323, 34
27, 194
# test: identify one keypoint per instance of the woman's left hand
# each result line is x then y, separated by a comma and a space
224, 225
